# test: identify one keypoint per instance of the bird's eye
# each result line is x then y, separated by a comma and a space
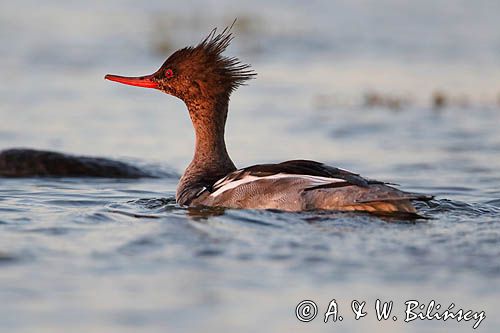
169, 73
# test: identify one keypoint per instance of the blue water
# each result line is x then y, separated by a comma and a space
102, 255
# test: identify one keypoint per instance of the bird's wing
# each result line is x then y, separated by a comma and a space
318, 173
301, 184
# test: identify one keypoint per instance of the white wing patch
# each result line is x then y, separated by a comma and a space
227, 183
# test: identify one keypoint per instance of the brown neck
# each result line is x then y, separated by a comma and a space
210, 157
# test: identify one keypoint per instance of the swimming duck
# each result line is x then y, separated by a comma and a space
204, 79
23, 162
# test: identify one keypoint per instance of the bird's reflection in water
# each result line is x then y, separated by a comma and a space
203, 213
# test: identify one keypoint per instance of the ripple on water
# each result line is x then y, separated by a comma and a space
438, 207
11, 210
141, 245
52, 231
75, 203
155, 203
144, 207
494, 202
93, 217
7, 258
209, 252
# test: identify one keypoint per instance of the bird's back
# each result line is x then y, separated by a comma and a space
305, 185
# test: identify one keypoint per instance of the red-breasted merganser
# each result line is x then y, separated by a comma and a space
204, 79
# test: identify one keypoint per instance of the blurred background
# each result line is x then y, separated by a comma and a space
407, 92
312, 58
